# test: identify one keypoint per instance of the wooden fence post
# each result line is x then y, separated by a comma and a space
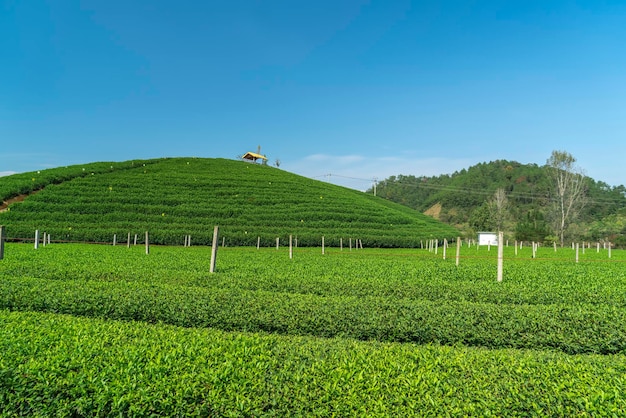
216, 231
340, 244
258, 242
36, 239
277, 242
458, 250
290, 247
445, 246
114, 239
128, 241
500, 255
323, 245
1, 242
147, 244
577, 252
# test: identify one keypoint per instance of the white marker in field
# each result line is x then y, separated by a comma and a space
500, 255
216, 231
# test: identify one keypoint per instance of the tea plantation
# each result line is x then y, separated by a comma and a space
173, 198
95, 330
101, 330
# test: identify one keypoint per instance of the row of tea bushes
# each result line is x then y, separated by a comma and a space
575, 328
57, 365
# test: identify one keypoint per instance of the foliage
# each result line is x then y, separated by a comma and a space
568, 191
358, 296
26, 183
173, 198
464, 194
533, 227
56, 365
119, 353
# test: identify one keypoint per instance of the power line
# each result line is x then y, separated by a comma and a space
467, 190
519, 195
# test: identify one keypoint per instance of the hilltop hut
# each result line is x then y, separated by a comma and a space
254, 156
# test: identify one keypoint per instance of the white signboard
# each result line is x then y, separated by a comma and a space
487, 238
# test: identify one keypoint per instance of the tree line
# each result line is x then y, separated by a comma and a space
555, 202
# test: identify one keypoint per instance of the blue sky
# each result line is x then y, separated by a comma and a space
355, 89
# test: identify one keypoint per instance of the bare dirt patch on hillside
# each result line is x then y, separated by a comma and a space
434, 211
5, 205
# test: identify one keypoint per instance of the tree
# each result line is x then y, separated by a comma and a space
568, 192
480, 219
498, 209
533, 227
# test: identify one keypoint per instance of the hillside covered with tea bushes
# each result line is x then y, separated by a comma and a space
175, 197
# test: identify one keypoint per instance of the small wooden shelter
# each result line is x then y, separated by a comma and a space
254, 156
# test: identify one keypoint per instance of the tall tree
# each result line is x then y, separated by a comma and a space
498, 209
568, 193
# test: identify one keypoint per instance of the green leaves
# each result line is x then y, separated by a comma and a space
369, 295
172, 199
59, 365
102, 330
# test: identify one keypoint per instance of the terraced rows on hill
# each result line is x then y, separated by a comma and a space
175, 197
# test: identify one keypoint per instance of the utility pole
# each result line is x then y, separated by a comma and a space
375, 180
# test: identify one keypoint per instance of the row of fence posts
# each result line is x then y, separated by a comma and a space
433, 246
535, 246
293, 243
187, 242
46, 238
358, 244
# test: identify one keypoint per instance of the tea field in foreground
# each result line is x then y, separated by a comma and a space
100, 330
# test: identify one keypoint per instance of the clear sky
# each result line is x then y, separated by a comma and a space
360, 89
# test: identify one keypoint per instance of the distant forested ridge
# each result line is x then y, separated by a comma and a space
462, 199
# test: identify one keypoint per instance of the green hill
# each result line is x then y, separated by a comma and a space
461, 198
172, 198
